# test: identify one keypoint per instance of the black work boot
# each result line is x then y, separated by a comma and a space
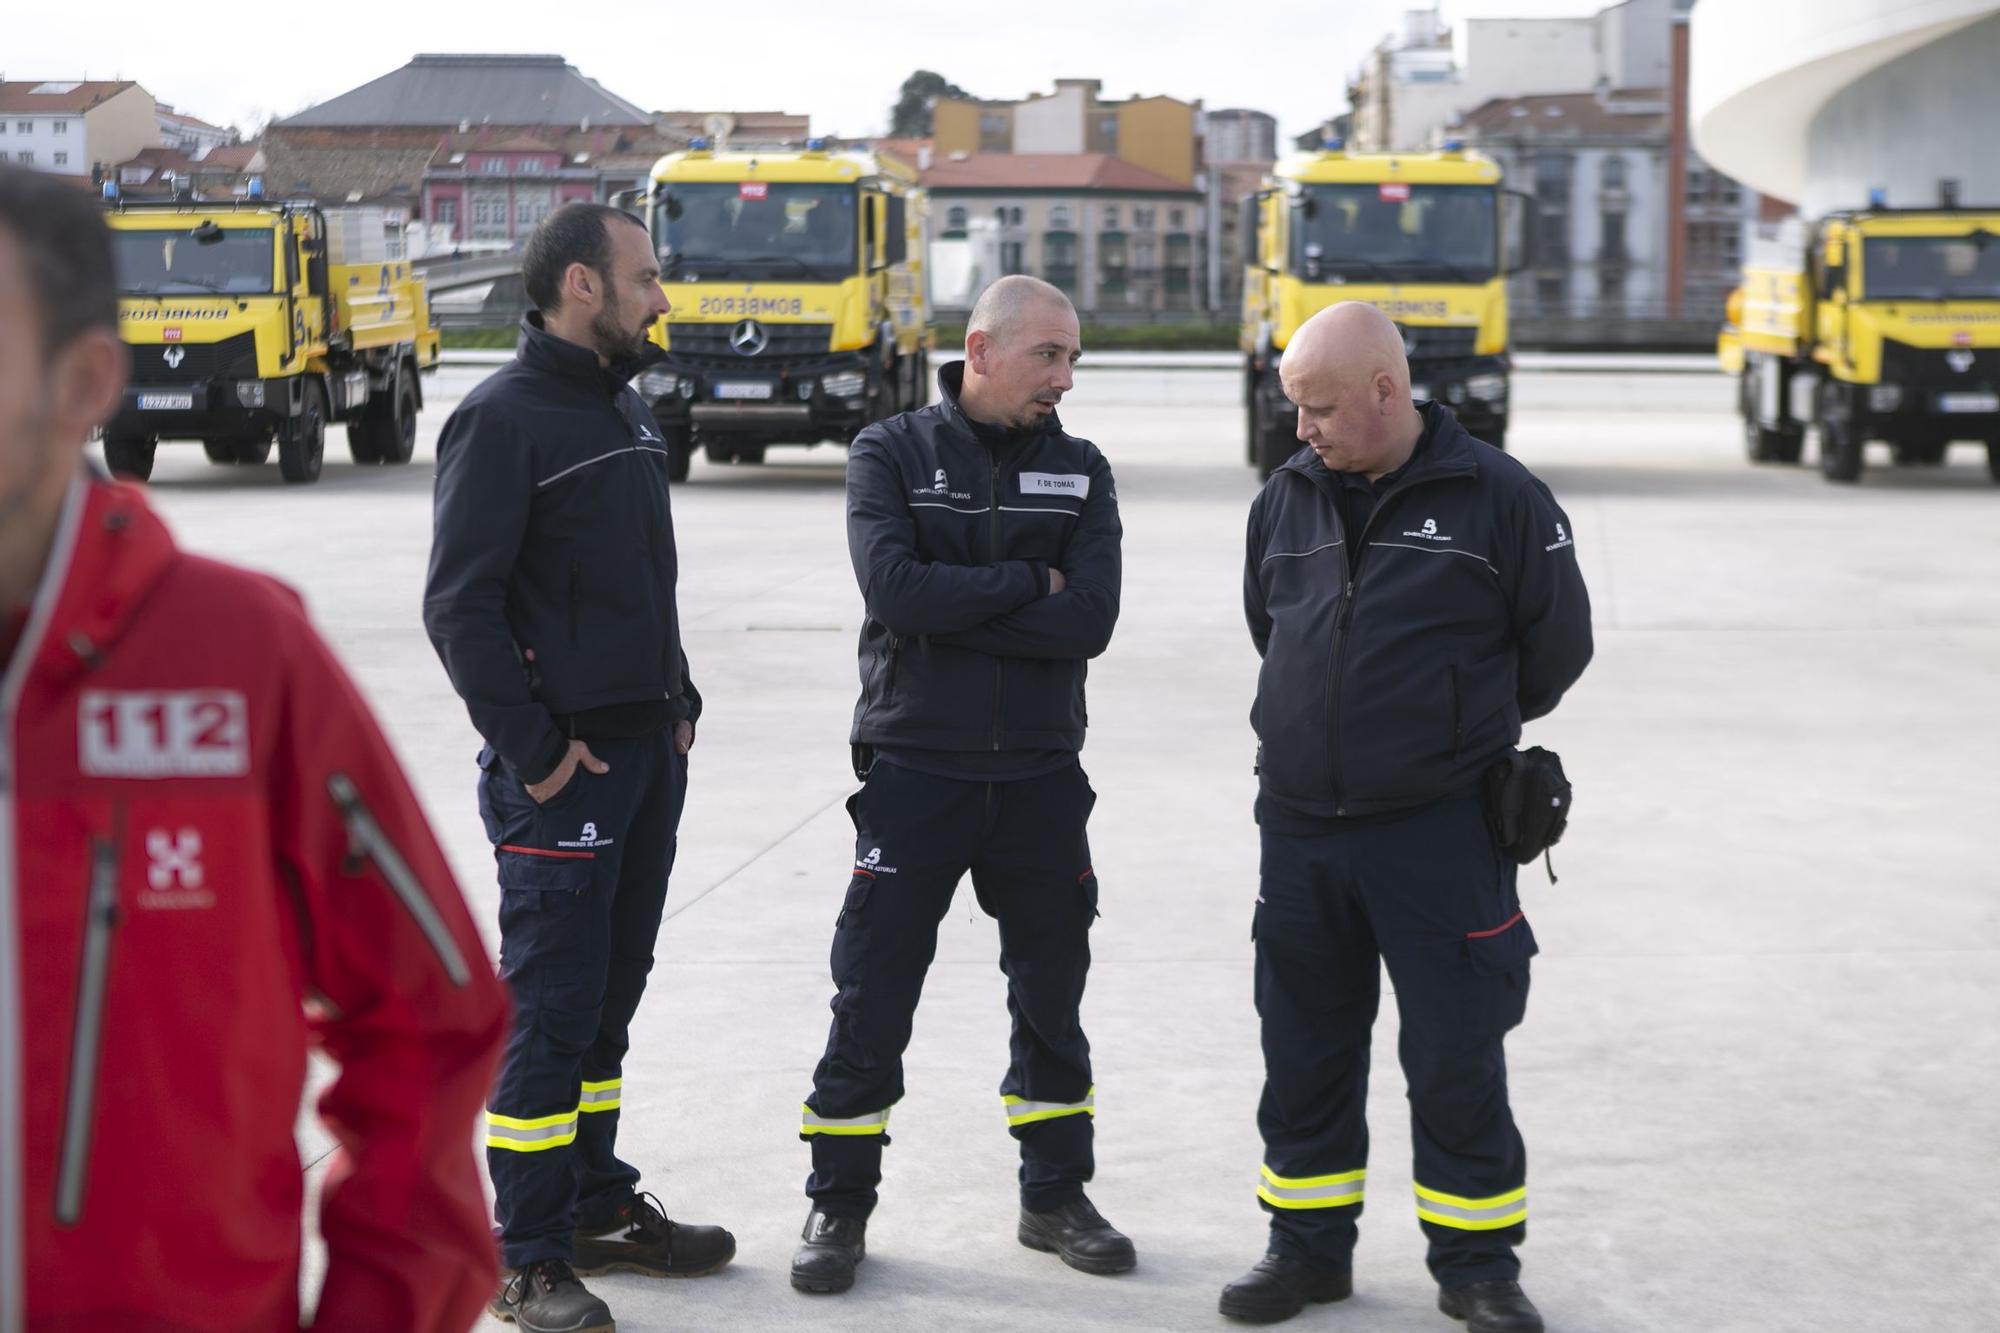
1491, 1307
646, 1241
545, 1297
1279, 1287
1078, 1235
833, 1247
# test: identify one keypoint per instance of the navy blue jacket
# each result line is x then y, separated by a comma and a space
553, 536
1402, 683
962, 648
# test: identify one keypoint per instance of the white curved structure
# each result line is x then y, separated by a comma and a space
1820, 101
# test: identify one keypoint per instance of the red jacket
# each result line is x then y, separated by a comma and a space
209, 859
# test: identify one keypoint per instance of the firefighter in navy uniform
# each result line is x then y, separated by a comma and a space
1415, 597
986, 544
551, 601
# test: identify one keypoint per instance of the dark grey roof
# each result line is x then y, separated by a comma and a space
495, 89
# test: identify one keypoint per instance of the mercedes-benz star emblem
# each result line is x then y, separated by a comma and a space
173, 356
1960, 361
749, 338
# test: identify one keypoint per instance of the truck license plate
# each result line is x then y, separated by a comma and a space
742, 389
167, 402
1968, 402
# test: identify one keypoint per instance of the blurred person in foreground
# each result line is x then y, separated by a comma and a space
209, 861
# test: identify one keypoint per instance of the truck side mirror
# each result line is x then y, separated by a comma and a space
1517, 231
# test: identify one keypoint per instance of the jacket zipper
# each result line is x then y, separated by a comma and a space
889, 686
575, 590
367, 842
993, 553
1340, 627
100, 919
1457, 721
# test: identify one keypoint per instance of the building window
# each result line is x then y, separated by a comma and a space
531, 166
1010, 257
1611, 246
1142, 217
1059, 219
1111, 217
62, 159
993, 132
496, 166
1177, 218
1145, 255
1107, 134
24, 127
59, 126
1614, 172
25, 159
1059, 259
955, 217
447, 212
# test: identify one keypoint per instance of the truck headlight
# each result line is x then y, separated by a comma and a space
847, 384
1487, 388
1885, 397
250, 393
655, 383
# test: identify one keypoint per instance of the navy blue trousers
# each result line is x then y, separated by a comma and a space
583, 881
1025, 846
1432, 898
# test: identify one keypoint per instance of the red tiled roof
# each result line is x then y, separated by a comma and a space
1047, 171
161, 159
183, 118
18, 96
230, 157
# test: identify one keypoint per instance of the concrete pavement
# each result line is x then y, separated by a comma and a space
1760, 1075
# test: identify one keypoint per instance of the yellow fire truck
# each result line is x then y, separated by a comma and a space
797, 283
1891, 319
254, 321
1418, 235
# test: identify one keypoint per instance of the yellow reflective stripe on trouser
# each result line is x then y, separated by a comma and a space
1021, 1111
1453, 1210
1335, 1191
601, 1096
811, 1122
536, 1135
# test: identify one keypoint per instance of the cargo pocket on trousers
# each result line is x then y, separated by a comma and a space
533, 879
1497, 996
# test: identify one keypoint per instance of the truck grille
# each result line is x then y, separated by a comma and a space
1937, 368
231, 359
1437, 344
708, 345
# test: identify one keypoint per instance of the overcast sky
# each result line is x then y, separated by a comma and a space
242, 64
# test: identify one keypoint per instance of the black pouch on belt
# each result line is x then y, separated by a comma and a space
1527, 804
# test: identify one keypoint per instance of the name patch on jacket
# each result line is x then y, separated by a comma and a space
1075, 485
163, 734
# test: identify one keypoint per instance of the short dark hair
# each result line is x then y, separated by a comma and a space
65, 253
576, 233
